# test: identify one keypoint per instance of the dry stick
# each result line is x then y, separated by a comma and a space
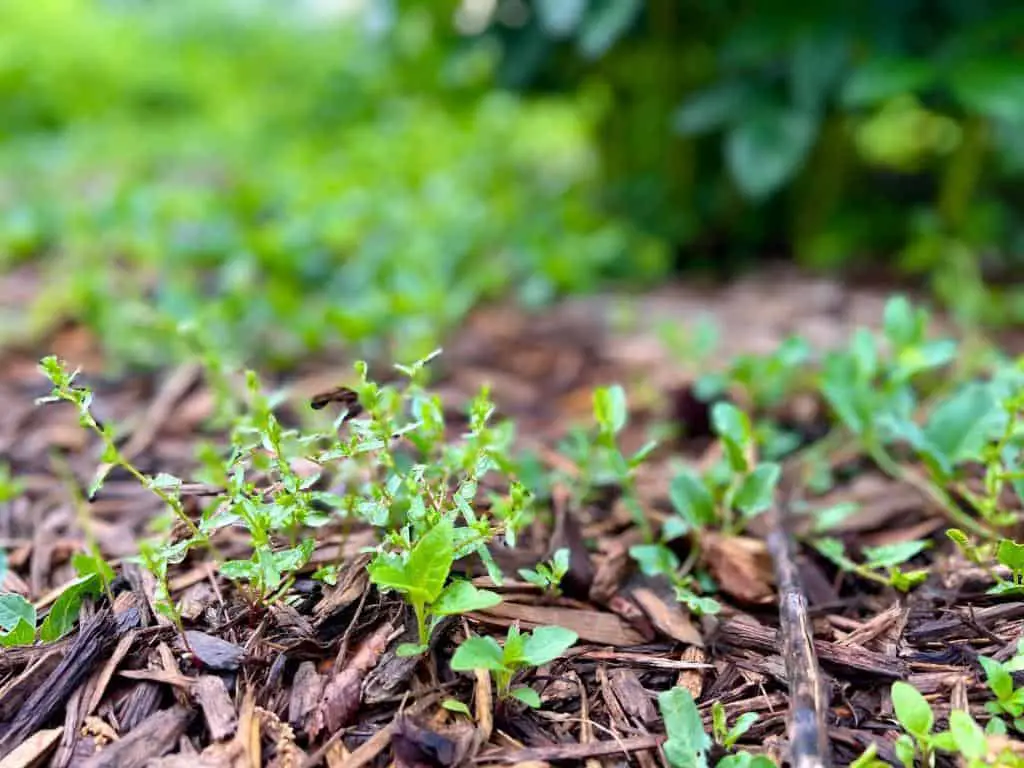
808, 733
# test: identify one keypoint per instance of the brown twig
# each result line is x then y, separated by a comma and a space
808, 739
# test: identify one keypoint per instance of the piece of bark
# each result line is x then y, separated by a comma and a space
306, 688
634, 698
592, 626
14, 694
667, 616
212, 696
34, 749
153, 737
741, 566
341, 696
213, 652
93, 642
573, 752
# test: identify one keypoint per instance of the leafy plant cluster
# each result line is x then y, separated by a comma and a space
786, 124
287, 183
688, 744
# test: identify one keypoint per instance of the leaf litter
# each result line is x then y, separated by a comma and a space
795, 635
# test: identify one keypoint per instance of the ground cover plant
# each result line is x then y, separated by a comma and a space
374, 569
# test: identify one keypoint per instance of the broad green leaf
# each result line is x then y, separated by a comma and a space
528, 696
86, 564
961, 426
912, 709
654, 559
15, 608
890, 555
692, 499
610, 408
767, 149
757, 491
999, 680
64, 612
430, 561
604, 24
687, 743
816, 62
1010, 554
713, 108
545, 644
479, 653
880, 79
239, 570
833, 549
900, 322
733, 426
463, 597
991, 87
932, 354
967, 735
560, 18
454, 705
23, 633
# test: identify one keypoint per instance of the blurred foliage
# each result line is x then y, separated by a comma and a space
842, 132
285, 179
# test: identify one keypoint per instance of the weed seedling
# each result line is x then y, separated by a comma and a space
549, 575
687, 744
521, 650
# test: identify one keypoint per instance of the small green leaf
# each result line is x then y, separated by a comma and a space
22, 634
829, 517
967, 735
713, 108
1010, 554
454, 705
13, 609
64, 612
912, 709
545, 644
687, 742
905, 750
528, 696
479, 653
602, 27
743, 724
890, 555
654, 559
610, 409
463, 597
733, 426
999, 680
410, 649
692, 500
757, 491
901, 322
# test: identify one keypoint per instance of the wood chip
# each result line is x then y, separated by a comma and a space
34, 749
218, 711
153, 737
591, 626
668, 617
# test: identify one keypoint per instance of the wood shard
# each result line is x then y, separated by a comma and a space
153, 737
591, 626
218, 711
667, 617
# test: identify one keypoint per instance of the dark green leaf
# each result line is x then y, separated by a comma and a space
604, 24
430, 562
64, 612
767, 149
991, 87
1010, 554
880, 79
713, 108
23, 633
962, 425
654, 559
815, 65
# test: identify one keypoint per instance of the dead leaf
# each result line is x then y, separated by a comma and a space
740, 565
213, 652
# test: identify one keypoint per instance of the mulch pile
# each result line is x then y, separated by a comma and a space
317, 682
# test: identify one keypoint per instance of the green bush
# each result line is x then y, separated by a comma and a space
288, 184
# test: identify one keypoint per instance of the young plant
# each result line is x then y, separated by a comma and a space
915, 715
519, 651
1009, 699
687, 744
549, 575
881, 564
724, 735
420, 574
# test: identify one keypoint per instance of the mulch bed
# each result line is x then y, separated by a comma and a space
812, 651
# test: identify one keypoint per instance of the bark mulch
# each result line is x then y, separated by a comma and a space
317, 682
